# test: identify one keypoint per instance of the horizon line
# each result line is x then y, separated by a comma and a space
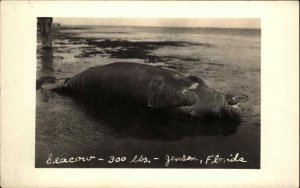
190, 27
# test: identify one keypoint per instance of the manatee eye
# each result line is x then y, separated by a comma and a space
234, 98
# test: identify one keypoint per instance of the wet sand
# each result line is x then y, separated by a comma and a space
228, 61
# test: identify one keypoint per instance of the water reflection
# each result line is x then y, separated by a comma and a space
47, 70
124, 119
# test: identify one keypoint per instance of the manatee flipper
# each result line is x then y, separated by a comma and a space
166, 100
198, 80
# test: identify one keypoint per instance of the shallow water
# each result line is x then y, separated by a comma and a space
227, 59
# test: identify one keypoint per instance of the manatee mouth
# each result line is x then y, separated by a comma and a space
232, 111
61, 88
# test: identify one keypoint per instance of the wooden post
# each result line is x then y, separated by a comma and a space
45, 24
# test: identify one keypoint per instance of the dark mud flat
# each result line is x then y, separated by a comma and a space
125, 49
65, 127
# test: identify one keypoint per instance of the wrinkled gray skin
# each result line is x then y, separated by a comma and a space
154, 87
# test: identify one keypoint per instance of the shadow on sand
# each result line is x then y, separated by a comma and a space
127, 119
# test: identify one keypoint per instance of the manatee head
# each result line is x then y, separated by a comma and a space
213, 104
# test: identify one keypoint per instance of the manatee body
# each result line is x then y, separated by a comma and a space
153, 87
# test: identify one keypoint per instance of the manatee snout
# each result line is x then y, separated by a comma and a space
228, 106
232, 111
232, 108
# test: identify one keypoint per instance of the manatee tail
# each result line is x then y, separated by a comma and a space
60, 89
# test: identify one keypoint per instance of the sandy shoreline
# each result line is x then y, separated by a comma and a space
66, 128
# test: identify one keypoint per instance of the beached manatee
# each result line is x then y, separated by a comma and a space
153, 87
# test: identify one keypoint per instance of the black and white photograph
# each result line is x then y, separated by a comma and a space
157, 94
148, 93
